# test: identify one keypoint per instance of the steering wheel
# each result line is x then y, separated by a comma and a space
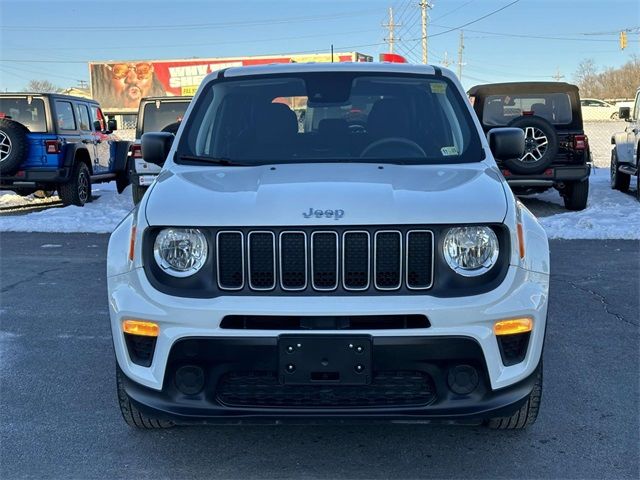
398, 142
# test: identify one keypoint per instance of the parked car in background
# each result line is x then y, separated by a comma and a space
371, 265
58, 142
557, 151
625, 154
155, 114
594, 109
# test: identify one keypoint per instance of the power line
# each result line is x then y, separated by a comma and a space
129, 47
477, 19
540, 37
194, 26
453, 10
48, 74
301, 52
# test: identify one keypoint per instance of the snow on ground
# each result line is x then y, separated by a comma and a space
610, 214
102, 215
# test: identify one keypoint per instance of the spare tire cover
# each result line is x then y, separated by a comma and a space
13, 145
540, 145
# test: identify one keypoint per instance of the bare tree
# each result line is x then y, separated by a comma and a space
41, 86
612, 83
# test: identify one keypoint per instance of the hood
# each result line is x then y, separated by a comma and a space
326, 194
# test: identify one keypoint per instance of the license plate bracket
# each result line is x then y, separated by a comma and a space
325, 359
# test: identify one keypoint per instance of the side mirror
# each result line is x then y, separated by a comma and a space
112, 125
624, 113
506, 143
156, 146
97, 126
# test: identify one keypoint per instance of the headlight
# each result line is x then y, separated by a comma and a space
471, 251
180, 252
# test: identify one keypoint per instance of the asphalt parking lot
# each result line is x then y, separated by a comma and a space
59, 418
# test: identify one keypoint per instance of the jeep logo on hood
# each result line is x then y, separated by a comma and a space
317, 213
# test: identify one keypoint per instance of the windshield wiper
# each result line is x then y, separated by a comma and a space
210, 160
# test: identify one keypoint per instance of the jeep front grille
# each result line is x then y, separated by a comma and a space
324, 260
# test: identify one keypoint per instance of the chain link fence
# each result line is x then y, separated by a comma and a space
600, 133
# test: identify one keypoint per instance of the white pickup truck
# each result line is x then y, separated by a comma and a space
368, 263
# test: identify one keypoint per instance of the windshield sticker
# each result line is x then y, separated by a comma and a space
439, 88
446, 151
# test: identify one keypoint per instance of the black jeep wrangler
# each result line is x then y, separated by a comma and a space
556, 147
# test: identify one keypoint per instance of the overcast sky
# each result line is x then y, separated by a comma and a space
529, 40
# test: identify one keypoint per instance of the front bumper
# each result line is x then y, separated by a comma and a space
225, 401
522, 293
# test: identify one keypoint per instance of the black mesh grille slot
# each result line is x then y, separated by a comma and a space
513, 348
343, 322
388, 246
262, 389
230, 261
140, 348
355, 256
262, 274
419, 259
293, 260
324, 260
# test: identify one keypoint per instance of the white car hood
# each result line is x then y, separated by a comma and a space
364, 194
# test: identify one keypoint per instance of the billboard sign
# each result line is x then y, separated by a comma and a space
119, 86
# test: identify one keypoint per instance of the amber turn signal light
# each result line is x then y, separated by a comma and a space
515, 325
138, 327
132, 243
521, 240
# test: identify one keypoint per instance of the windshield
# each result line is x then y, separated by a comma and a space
331, 117
26, 110
499, 110
163, 116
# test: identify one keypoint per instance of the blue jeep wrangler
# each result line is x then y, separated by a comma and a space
58, 142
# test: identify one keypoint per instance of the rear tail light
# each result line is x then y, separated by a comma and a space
52, 146
136, 151
580, 142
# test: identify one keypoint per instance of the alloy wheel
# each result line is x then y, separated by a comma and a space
535, 145
5, 146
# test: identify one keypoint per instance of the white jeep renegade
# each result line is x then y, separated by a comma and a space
329, 242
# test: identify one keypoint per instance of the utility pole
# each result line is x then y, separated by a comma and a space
460, 50
445, 60
424, 6
82, 84
391, 26
557, 77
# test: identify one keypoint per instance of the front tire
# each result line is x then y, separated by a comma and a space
77, 191
130, 413
527, 414
619, 180
576, 195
